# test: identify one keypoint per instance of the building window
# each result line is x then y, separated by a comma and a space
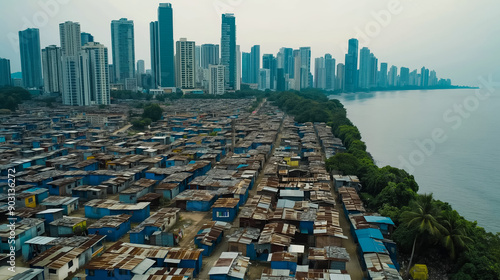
30, 200
222, 214
122, 272
52, 271
111, 273
70, 264
91, 272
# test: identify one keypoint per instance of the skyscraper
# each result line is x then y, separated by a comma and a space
269, 62
305, 67
364, 68
297, 70
319, 73
329, 72
155, 54
433, 78
71, 47
209, 55
373, 75
280, 80
166, 45
255, 64
185, 63
351, 66
245, 67
424, 77
340, 83
95, 75
238, 67
141, 69
286, 61
393, 76
31, 61
52, 69
404, 76
228, 49
216, 79
70, 36
264, 79
5, 72
382, 78
86, 37
123, 49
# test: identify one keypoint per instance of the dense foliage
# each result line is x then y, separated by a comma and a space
13, 96
433, 226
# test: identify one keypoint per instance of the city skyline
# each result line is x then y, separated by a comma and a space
417, 47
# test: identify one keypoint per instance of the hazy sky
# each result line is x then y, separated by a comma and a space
457, 38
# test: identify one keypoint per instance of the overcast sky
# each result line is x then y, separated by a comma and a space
457, 38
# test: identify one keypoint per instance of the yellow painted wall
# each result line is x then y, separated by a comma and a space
31, 204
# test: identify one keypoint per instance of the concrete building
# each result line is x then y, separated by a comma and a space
52, 69
185, 64
123, 49
31, 61
216, 79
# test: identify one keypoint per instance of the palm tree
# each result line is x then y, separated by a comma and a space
455, 233
423, 217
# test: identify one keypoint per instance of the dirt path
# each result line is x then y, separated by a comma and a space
123, 129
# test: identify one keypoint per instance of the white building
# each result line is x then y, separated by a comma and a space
95, 75
264, 79
52, 69
216, 79
185, 64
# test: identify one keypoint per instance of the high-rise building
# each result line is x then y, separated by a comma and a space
373, 75
351, 66
216, 79
166, 45
141, 69
264, 79
404, 77
297, 70
245, 67
424, 77
71, 47
155, 54
185, 64
393, 77
269, 62
286, 61
329, 72
280, 80
95, 75
433, 81
52, 69
255, 64
197, 56
319, 73
228, 49
31, 61
238, 67
5, 72
364, 68
413, 81
382, 77
340, 81
70, 38
86, 38
305, 68
123, 49
209, 55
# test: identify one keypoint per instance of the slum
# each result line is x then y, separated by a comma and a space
161, 204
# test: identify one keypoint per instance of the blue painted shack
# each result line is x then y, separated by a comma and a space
64, 186
230, 266
98, 208
225, 209
329, 257
40, 194
68, 204
24, 230
50, 215
245, 240
86, 165
67, 226
210, 235
114, 227
195, 200
137, 190
385, 224
155, 230
168, 190
283, 260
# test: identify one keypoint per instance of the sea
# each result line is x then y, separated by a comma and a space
448, 139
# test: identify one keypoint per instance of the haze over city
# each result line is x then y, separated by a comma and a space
448, 36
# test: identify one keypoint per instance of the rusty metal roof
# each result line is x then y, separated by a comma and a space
160, 219
116, 205
111, 221
228, 202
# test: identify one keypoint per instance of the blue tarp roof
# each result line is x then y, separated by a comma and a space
379, 220
370, 245
369, 233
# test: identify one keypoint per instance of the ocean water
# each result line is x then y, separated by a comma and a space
448, 139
